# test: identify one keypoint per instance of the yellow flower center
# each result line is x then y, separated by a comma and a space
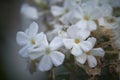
47, 51
77, 41
86, 17
88, 53
32, 41
66, 10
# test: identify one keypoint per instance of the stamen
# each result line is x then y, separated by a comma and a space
77, 41
88, 53
47, 51
86, 17
32, 41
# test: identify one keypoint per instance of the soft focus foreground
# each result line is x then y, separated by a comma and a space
70, 39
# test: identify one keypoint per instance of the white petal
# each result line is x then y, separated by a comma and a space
65, 19
81, 59
68, 43
101, 21
35, 55
98, 52
92, 25
56, 43
43, 41
21, 38
83, 34
74, 32
29, 11
76, 51
92, 40
91, 61
57, 11
32, 30
57, 58
45, 63
38, 38
106, 10
82, 24
24, 51
86, 46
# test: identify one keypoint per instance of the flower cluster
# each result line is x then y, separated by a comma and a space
80, 28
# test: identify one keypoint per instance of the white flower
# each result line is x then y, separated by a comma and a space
91, 11
76, 41
69, 13
108, 22
67, 6
89, 55
49, 53
72, 16
57, 31
29, 11
28, 39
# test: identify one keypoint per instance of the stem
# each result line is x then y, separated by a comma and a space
51, 75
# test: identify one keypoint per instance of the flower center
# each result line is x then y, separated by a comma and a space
77, 41
86, 17
66, 10
47, 51
88, 53
32, 41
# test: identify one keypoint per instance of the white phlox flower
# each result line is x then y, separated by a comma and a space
67, 6
29, 11
91, 11
67, 14
28, 39
90, 55
50, 56
77, 41
108, 22
57, 31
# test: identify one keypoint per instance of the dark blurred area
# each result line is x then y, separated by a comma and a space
12, 65
9, 20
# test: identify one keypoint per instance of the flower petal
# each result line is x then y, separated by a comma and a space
29, 11
81, 59
45, 63
35, 55
82, 24
92, 40
92, 25
43, 40
98, 52
32, 30
57, 58
57, 11
106, 10
56, 43
24, 51
68, 43
76, 51
21, 38
74, 32
91, 61
86, 46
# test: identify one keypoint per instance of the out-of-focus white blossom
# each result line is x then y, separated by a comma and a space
108, 22
29, 11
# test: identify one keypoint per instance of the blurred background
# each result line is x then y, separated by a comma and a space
12, 65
